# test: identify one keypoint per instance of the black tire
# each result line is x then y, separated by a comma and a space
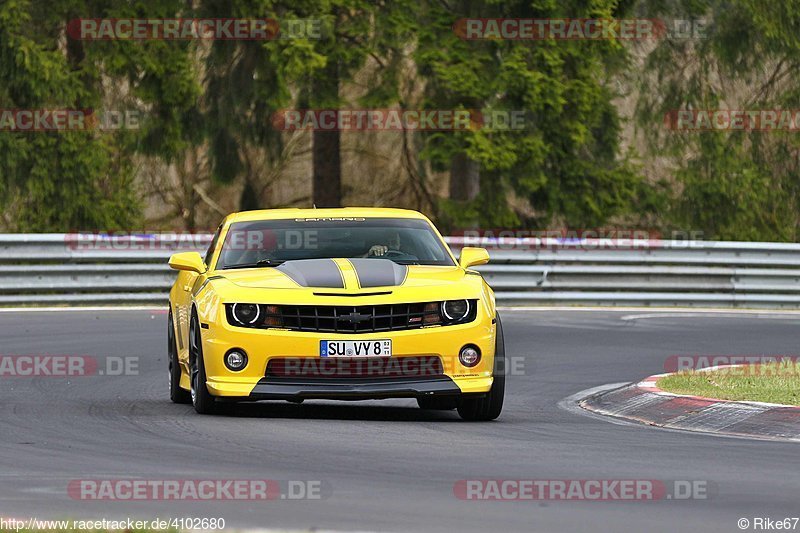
438, 403
202, 400
176, 393
488, 406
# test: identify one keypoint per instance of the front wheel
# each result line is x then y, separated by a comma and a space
489, 406
202, 400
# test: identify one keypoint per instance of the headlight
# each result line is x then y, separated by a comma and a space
245, 314
455, 310
254, 315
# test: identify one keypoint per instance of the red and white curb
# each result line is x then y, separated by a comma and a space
645, 403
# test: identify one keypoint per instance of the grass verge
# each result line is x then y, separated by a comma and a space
776, 382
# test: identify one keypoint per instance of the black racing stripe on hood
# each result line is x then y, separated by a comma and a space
379, 272
314, 273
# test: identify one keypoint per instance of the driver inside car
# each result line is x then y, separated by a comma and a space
392, 244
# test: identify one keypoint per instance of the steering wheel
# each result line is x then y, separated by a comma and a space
393, 253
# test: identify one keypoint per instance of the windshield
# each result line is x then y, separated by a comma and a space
271, 242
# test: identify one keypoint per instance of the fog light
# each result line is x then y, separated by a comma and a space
469, 356
236, 359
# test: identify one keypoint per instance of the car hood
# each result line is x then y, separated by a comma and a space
343, 275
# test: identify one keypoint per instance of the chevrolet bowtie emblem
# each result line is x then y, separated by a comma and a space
355, 318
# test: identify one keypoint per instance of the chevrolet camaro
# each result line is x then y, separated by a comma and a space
344, 304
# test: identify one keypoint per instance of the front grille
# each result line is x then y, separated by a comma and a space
340, 367
345, 318
353, 319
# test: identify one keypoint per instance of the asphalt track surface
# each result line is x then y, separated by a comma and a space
389, 466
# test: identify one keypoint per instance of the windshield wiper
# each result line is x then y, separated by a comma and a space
269, 262
257, 264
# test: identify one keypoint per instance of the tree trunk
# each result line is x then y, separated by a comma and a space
327, 182
249, 200
465, 178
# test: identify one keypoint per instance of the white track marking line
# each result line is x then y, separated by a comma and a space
768, 315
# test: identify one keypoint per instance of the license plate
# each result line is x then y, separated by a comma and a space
373, 348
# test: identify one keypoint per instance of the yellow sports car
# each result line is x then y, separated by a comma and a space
346, 304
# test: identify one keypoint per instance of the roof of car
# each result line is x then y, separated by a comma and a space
366, 212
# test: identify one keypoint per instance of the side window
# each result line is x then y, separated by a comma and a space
212, 246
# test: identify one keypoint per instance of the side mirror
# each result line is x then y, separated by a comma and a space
473, 256
191, 261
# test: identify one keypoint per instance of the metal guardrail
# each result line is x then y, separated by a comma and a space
87, 269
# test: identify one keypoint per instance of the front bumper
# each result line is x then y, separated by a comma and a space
352, 389
262, 346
